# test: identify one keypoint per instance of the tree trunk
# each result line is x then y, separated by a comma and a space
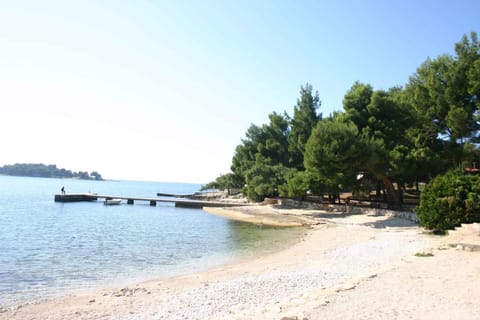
379, 190
393, 198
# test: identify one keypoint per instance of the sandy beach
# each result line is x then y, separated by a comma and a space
343, 267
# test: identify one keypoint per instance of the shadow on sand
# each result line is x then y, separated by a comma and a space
382, 222
391, 222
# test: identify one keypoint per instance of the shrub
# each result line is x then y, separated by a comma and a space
450, 200
296, 185
263, 180
423, 254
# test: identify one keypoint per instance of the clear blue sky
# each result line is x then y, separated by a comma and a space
165, 90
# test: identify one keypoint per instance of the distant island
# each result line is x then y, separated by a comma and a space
41, 170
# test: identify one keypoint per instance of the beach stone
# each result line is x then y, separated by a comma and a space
272, 308
345, 287
297, 301
324, 302
314, 294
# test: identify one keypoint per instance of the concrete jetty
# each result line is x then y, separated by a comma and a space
184, 203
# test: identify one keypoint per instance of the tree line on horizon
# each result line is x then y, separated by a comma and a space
383, 140
46, 171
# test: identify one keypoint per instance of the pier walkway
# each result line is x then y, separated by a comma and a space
184, 203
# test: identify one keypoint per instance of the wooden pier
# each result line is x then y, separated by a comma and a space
184, 203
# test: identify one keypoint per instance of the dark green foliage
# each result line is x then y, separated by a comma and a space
355, 103
275, 146
393, 138
296, 185
334, 153
261, 161
229, 182
383, 120
46, 171
446, 93
304, 119
267, 142
263, 180
449, 200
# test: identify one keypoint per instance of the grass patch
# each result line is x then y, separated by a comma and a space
423, 254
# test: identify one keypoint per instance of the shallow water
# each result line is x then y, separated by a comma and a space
47, 248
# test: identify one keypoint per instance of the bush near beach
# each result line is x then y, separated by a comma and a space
450, 200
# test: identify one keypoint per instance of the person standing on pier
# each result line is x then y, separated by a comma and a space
63, 190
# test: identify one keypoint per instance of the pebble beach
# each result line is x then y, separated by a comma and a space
343, 267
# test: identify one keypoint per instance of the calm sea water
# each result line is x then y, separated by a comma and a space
48, 248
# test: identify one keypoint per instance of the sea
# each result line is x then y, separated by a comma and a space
49, 248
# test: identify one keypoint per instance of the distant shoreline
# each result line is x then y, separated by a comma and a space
54, 177
40, 170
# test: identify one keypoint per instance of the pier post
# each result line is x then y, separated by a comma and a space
153, 203
129, 201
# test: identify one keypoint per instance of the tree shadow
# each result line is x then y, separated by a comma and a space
330, 215
386, 222
391, 222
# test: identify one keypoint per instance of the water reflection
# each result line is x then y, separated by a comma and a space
248, 238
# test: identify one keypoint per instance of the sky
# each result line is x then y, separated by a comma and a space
165, 90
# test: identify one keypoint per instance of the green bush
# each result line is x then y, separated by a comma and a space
450, 200
296, 185
262, 180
